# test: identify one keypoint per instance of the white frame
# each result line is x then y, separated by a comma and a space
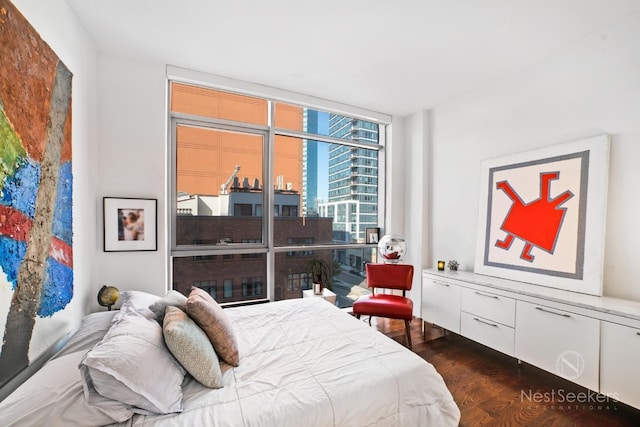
588, 213
111, 206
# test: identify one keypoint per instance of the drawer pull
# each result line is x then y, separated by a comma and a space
486, 295
485, 322
441, 283
637, 333
553, 312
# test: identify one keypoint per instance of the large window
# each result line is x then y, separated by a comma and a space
262, 188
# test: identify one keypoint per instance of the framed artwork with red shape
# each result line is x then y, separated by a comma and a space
542, 216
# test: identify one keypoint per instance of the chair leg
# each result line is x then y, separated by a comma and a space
408, 332
370, 316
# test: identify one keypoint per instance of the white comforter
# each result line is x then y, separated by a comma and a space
305, 363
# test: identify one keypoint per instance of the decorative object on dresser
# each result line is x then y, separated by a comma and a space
453, 265
392, 249
542, 216
387, 276
441, 265
130, 224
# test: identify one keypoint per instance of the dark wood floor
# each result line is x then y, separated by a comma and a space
492, 389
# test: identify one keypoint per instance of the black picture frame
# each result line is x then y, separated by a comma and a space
130, 224
372, 235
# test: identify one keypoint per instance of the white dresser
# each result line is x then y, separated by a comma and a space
592, 341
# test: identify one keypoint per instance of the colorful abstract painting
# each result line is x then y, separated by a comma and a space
36, 257
542, 216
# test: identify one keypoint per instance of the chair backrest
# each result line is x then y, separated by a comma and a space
390, 276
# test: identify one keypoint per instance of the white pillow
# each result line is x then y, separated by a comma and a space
54, 396
133, 365
138, 299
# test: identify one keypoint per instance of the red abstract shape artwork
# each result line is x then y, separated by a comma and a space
537, 223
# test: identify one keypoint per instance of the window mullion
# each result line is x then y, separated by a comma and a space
322, 138
268, 197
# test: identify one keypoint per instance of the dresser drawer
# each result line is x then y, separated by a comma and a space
490, 306
441, 303
558, 341
487, 332
619, 377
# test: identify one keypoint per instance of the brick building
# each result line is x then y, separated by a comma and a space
239, 277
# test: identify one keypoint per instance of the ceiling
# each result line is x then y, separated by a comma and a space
395, 57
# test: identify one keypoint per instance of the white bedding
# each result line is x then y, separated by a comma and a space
303, 362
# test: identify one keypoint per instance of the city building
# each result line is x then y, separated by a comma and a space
353, 179
236, 218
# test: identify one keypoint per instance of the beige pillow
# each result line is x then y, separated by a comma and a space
208, 314
191, 346
172, 298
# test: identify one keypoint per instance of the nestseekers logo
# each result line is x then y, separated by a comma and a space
570, 365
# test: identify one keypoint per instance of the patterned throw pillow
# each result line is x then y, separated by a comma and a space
208, 314
191, 346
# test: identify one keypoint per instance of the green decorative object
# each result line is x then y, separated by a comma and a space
322, 272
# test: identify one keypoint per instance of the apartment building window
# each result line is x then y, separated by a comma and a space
252, 286
242, 209
209, 286
299, 282
290, 210
227, 288
253, 178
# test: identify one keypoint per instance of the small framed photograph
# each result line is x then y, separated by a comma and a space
130, 224
372, 235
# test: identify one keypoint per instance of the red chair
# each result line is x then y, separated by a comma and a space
387, 276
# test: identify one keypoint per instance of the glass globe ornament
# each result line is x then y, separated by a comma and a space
392, 249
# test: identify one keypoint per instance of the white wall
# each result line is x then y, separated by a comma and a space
408, 197
589, 88
57, 26
132, 142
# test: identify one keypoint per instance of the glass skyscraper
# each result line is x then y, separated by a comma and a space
353, 178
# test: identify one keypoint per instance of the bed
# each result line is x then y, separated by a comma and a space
302, 362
